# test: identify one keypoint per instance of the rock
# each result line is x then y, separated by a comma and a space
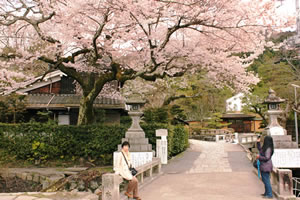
29, 178
23, 176
94, 185
36, 178
73, 185
45, 184
81, 186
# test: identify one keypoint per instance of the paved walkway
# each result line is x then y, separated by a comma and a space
207, 171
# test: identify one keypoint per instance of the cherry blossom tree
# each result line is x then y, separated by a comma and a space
100, 41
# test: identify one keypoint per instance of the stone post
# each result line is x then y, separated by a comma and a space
217, 138
111, 186
283, 184
162, 145
236, 137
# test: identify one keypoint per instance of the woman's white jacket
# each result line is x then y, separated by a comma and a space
122, 168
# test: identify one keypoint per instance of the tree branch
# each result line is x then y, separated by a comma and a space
98, 33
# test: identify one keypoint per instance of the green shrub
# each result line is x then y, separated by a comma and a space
126, 121
156, 115
180, 140
177, 137
48, 141
36, 141
150, 129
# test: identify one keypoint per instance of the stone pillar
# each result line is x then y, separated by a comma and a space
285, 185
111, 186
162, 145
236, 137
217, 138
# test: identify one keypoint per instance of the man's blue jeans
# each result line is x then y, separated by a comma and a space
265, 176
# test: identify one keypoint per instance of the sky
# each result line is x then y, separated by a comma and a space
286, 7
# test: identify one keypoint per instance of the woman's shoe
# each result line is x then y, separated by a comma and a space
128, 195
263, 195
137, 198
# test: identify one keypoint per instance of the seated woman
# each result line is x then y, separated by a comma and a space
122, 168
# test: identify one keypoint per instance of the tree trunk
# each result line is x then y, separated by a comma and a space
283, 118
86, 111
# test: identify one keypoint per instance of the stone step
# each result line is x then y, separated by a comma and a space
285, 145
132, 134
282, 138
133, 141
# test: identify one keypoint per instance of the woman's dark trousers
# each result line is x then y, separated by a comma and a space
265, 176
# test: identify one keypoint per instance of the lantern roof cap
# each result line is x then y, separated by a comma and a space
272, 98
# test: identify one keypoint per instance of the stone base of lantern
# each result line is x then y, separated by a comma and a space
137, 158
275, 130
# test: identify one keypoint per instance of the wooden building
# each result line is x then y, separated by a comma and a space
243, 123
57, 93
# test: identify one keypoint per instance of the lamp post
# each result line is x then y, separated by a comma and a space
295, 113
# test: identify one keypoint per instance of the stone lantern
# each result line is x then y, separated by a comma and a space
135, 112
140, 149
274, 111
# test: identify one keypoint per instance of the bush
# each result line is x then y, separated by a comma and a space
177, 137
46, 142
126, 121
180, 140
43, 142
156, 115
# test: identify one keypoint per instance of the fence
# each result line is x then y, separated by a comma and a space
296, 186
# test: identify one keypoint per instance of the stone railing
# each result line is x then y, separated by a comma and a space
210, 134
281, 179
111, 182
282, 184
296, 184
248, 139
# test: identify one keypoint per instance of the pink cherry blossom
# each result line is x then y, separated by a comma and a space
125, 39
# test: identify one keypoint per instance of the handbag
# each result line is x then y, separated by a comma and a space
255, 164
131, 169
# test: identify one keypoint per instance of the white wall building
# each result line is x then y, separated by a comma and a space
235, 104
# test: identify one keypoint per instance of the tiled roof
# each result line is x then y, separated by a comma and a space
69, 100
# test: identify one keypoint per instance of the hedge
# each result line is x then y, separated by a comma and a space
177, 137
36, 141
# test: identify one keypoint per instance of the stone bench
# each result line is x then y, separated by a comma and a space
111, 182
